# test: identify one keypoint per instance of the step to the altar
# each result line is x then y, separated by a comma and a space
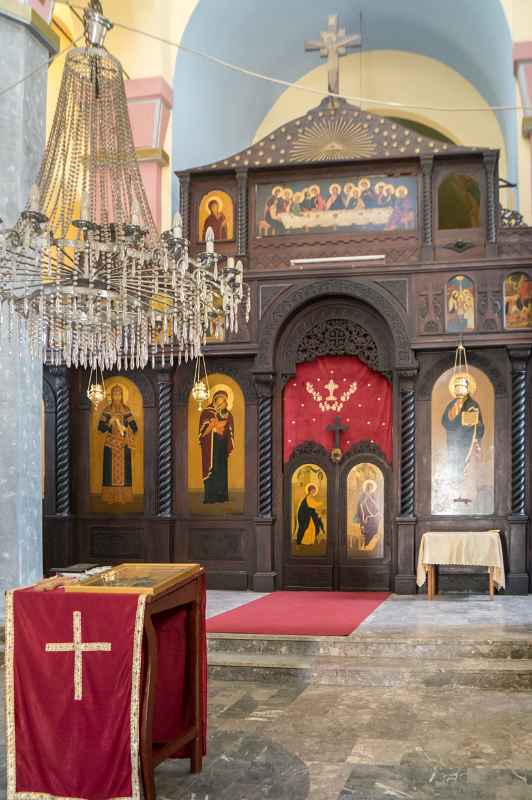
373, 663
447, 647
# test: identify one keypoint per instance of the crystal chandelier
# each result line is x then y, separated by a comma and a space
83, 266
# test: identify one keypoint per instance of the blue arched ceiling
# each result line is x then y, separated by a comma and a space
217, 111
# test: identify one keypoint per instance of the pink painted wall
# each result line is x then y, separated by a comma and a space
150, 104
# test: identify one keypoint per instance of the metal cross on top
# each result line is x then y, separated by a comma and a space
337, 428
333, 44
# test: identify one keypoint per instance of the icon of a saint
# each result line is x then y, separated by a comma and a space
216, 440
215, 220
368, 514
118, 425
310, 527
462, 419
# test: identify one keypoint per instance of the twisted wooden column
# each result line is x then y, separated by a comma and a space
408, 452
264, 384
427, 164
184, 202
242, 213
519, 436
165, 446
62, 451
490, 163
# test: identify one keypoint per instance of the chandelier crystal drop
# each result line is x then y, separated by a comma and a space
83, 266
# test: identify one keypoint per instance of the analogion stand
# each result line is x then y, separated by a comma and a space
182, 588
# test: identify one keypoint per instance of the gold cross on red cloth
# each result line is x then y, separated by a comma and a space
78, 648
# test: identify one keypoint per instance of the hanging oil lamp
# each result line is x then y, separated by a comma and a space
200, 387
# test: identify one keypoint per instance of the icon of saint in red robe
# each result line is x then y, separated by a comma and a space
118, 425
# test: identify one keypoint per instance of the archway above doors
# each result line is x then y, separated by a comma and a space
374, 309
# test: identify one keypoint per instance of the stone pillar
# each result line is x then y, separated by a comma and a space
405, 580
427, 249
26, 43
149, 102
264, 577
518, 519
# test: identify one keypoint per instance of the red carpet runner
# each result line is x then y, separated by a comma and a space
300, 614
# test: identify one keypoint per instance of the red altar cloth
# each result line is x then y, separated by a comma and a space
59, 746
343, 386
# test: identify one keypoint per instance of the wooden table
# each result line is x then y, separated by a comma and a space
189, 595
460, 548
167, 594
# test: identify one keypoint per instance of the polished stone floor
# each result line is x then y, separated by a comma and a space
335, 743
269, 741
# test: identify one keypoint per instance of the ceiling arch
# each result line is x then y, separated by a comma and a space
217, 111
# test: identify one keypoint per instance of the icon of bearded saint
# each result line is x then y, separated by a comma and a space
216, 440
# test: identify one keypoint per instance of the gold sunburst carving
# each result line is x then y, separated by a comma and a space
333, 140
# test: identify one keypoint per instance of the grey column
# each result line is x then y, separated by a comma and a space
22, 133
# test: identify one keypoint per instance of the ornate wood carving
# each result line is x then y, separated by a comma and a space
184, 203
430, 309
460, 246
165, 445
519, 360
398, 288
273, 252
267, 294
489, 306
309, 450
242, 213
364, 448
369, 293
264, 386
490, 163
427, 165
338, 337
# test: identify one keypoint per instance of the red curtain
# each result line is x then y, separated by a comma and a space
340, 386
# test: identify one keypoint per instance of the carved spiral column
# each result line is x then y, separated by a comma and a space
427, 166
242, 213
184, 202
408, 452
518, 580
265, 502
165, 444
519, 434
264, 577
490, 163
62, 440
405, 579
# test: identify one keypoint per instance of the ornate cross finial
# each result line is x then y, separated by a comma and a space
333, 44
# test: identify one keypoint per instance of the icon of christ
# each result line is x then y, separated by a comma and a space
216, 439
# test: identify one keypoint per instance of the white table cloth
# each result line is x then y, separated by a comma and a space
461, 548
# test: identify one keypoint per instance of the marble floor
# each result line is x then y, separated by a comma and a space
269, 741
